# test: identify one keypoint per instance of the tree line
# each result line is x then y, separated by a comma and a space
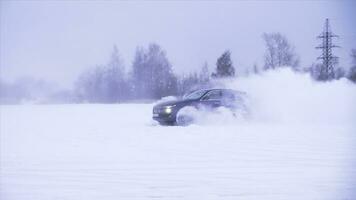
151, 75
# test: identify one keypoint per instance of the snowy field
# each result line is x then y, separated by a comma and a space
288, 149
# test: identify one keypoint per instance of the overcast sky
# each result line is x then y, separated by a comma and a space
58, 40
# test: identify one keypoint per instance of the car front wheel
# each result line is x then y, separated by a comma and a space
186, 116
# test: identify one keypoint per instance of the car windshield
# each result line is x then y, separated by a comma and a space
195, 95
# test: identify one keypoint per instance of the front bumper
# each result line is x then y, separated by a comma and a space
161, 116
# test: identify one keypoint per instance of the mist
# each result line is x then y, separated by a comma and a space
57, 41
283, 96
92, 100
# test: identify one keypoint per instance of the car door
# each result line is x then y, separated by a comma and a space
212, 99
228, 99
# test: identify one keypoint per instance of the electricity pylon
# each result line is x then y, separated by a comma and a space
327, 70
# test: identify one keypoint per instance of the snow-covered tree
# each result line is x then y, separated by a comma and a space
339, 73
152, 73
139, 74
255, 69
204, 75
89, 86
188, 82
194, 80
315, 70
352, 72
115, 78
104, 83
26, 89
224, 66
247, 72
279, 52
162, 78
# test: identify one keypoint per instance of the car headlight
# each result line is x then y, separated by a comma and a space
168, 109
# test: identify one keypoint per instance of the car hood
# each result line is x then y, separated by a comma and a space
174, 102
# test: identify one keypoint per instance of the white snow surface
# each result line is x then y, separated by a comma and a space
298, 143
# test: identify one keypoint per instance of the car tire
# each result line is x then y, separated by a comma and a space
185, 116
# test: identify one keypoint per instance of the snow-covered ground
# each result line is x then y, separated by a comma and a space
284, 151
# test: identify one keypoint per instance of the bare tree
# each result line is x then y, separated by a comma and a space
279, 52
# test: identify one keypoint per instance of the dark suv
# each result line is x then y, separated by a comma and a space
166, 112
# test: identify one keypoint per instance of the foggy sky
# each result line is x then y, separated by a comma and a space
58, 40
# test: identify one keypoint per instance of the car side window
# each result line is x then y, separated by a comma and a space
213, 95
228, 96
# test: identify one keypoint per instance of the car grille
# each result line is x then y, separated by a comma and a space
158, 110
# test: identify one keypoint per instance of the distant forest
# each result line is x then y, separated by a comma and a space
151, 76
